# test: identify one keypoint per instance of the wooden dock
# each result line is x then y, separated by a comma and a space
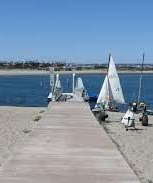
67, 146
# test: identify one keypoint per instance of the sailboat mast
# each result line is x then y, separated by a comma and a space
51, 79
140, 82
108, 63
108, 78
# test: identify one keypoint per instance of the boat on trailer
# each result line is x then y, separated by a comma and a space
137, 107
111, 92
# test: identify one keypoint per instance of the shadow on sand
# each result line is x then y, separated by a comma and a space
150, 125
135, 129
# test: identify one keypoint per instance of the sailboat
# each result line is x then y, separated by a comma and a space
51, 70
80, 91
111, 92
55, 86
136, 107
57, 92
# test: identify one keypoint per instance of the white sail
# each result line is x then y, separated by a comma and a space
57, 83
128, 119
115, 83
104, 92
51, 70
79, 84
57, 89
51, 78
50, 96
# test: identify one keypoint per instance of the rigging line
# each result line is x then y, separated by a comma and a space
145, 89
145, 93
134, 96
140, 83
108, 85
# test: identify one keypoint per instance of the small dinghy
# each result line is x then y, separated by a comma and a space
80, 91
139, 106
51, 70
111, 92
55, 87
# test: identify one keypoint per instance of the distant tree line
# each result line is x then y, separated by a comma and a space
59, 65
33, 65
37, 65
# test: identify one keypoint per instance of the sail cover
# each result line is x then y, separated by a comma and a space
115, 83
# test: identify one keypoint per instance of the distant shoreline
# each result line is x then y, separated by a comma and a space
43, 72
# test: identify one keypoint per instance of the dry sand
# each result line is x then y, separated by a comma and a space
23, 72
15, 124
135, 145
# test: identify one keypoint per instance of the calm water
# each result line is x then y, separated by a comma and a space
33, 90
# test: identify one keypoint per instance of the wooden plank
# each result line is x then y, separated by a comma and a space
68, 146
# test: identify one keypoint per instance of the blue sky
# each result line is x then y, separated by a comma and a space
83, 31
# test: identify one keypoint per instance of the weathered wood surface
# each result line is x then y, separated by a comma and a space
68, 146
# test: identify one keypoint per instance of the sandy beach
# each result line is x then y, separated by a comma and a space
15, 124
44, 72
136, 145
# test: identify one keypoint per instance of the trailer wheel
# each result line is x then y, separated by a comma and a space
144, 120
102, 116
